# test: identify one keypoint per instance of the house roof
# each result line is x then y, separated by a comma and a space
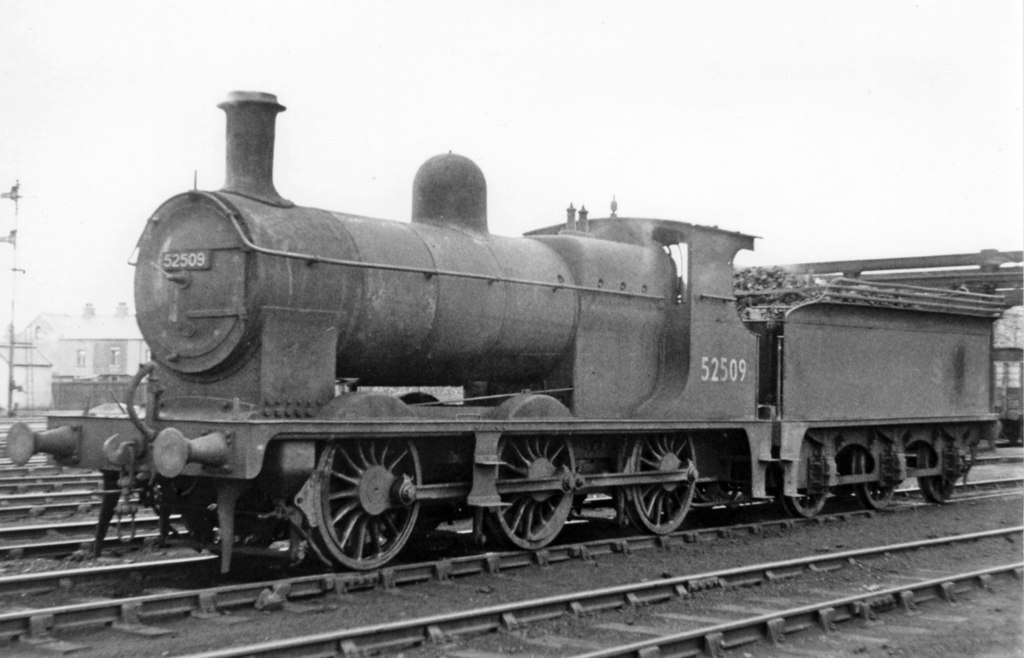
25, 355
95, 327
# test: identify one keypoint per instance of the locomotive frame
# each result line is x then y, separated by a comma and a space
602, 366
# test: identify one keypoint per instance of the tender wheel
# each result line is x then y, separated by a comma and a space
532, 520
806, 505
872, 495
660, 508
934, 488
365, 500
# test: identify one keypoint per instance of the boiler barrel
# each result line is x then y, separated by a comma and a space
420, 323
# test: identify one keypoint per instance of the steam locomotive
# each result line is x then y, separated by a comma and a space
599, 356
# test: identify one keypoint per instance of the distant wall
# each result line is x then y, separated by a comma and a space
1009, 329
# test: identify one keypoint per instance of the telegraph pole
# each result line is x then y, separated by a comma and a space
13, 195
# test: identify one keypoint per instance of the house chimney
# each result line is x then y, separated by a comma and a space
252, 116
122, 310
89, 311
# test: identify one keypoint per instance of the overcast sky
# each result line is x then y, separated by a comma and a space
833, 130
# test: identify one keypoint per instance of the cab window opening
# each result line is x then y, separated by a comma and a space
680, 254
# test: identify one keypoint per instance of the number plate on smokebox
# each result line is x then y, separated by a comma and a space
186, 260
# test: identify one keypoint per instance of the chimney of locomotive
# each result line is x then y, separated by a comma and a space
449, 190
250, 146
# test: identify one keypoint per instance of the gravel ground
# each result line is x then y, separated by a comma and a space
999, 624
373, 607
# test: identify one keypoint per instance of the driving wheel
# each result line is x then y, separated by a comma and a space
660, 508
532, 520
365, 500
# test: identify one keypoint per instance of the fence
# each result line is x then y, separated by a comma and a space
82, 395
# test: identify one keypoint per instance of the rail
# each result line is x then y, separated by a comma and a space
774, 626
211, 601
444, 627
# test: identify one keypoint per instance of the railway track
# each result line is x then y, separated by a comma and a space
39, 583
824, 616
36, 540
63, 548
51, 503
319, 590
28, 540
409, 574
711, 639
45, 499
29, 470
137, 612
998, 459
45, 483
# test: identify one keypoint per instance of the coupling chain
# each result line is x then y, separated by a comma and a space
125, 504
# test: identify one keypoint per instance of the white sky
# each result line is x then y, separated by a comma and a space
833, 130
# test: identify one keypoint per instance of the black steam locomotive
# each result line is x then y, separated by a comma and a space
596, 357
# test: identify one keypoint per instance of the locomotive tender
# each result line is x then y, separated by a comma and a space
603, 356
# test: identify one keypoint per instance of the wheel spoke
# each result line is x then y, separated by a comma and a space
351, 464
517, 453
659, 508
648, 495
390, 523
397, 461
674, 498
534, 521
344, 493
651, 502
533, 449
344, 511
346, 478
345, 535
519, 470
653, 463
375, 532
360, 539
518, 509
363, 457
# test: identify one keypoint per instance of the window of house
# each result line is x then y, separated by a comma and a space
115, 356
80, 359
